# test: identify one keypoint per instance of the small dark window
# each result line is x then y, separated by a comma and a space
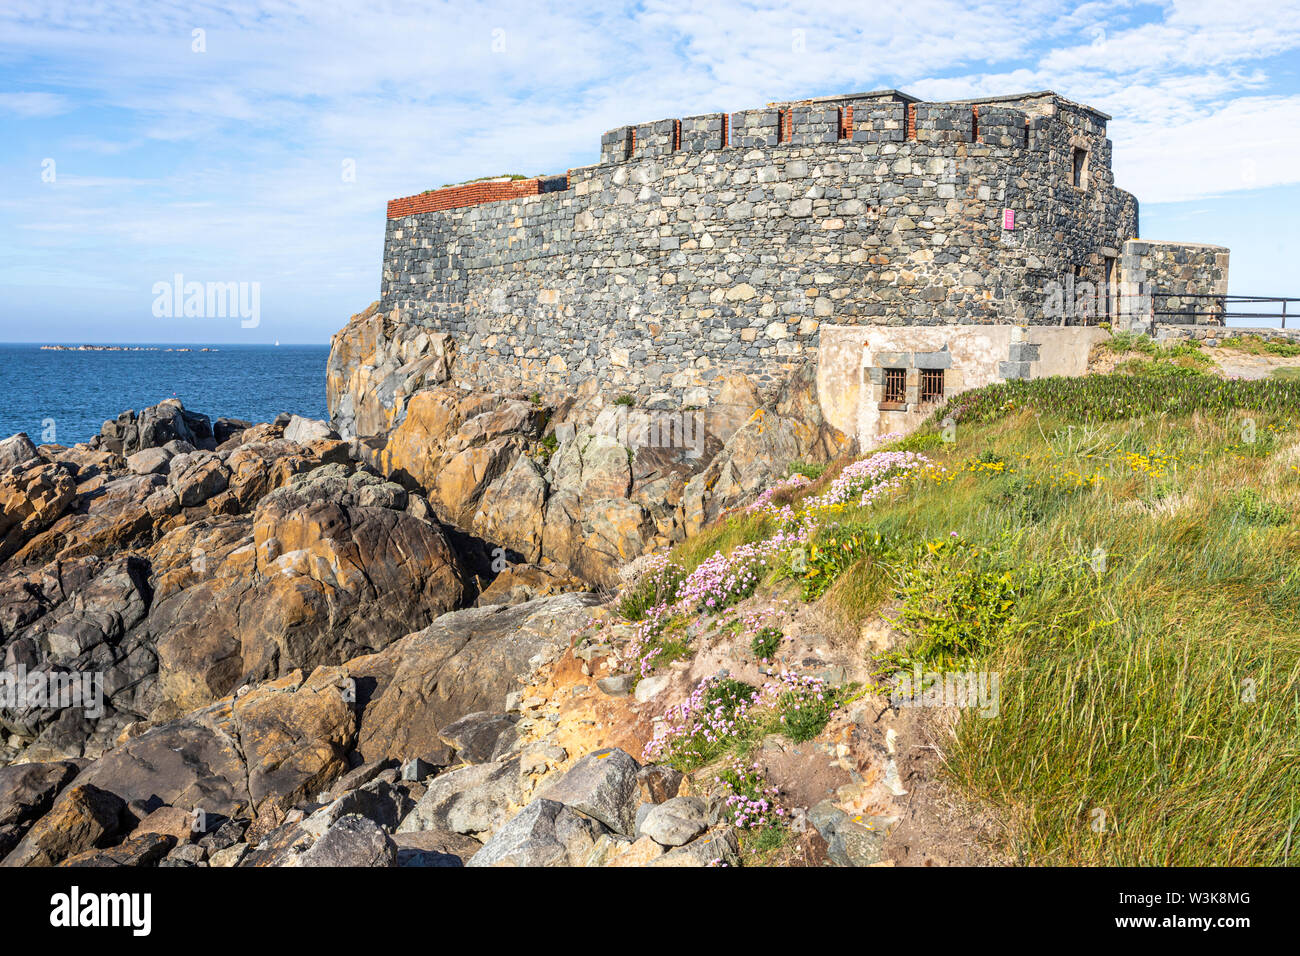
1079, 163
895, 384
931, 384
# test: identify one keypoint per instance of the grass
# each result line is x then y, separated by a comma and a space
1125, 553
725, 537
1159, 696
1187, 353
810, 470
1119, 397
765, 642
653, 589
1258, 345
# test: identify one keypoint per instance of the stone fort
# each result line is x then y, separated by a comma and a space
906, 249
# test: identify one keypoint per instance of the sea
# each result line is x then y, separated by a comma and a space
64, 397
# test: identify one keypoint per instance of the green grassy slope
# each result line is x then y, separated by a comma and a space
1123, 551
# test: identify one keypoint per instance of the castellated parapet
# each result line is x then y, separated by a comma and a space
725, 242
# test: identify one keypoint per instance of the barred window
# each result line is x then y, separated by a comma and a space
931, 384
895, 384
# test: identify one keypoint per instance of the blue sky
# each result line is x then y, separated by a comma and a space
227, 163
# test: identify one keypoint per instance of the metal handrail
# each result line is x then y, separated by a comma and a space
1221, 314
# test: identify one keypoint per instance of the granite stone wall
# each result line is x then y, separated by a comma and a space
677, 258
1182, 282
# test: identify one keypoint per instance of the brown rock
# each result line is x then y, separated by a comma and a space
139, 849
461, 478
31, 499
658, 782
295, 735
168, 821
375, 364
322, 582
511, 510
526, 582
191, 763
463, 662
83, 818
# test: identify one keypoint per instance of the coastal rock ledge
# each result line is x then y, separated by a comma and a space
305, 643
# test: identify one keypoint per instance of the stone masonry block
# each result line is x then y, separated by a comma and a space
940, 359
1000, 126
751, 128
944, 123
700, 133
893, 359
1023, 352
616, 145
814, 124
880, 123
655, 139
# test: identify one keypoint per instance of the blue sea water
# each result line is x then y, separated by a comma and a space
78, 391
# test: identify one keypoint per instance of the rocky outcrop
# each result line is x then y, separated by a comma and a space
376, 362
27, 792
577, 481
276, 616
156, 426
32, 496
83, 818
170, 586
16, 450
316, 769
463, 662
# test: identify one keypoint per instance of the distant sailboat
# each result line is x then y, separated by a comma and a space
277, 343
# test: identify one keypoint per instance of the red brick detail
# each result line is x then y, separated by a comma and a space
677, 135
726, 127
455, 197
975, 136
785, 126
846, 123
911, 121
632, 149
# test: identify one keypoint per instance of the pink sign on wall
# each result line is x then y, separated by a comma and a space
1008, 219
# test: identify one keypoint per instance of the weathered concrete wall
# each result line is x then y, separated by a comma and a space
854, 360
678, 260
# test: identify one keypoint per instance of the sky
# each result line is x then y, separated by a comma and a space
257, 142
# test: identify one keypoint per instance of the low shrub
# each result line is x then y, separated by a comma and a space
1249, 507
766, 642
658, 587
1116, 397
957, 604
809, 470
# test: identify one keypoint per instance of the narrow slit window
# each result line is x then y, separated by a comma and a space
1079, 166
895, 384
931, 385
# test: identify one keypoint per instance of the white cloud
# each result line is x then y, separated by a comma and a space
33, 105
230, 159
1249, 144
